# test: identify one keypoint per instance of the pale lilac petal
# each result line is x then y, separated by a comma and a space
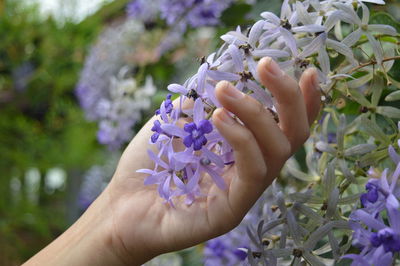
267, 38
376, 47
260, 94
314, 46
378, 2
395, 177
351, 14
255, 32
145, 171
237, 58
240, 85
234, 37
309, 28
210, 90
220, 75
384, 181
385, 260
274, 53
324, 62
352, 38
286, 64
286, 11
157, 160
163, 112
201, 77
394, 219
332, 20
289, 40
166, 192
176, 88
185, 157
173, 130
393, 155
365, 12
213, 157
345, 17
303, 15
252, 65
198, 111
392, 202
194, 180
156, 178
378, 256
383, 29
271, 17
368, 220
340, 48
219, 181
178, 182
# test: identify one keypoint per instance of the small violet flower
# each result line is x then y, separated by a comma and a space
196, 134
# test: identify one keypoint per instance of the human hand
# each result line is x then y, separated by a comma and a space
261, 148
133, 224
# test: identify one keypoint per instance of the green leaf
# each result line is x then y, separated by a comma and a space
385, 19
236, 15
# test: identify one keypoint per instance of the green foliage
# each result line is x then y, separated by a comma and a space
41, 125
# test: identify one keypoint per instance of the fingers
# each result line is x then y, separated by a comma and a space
251, 168
290, 102
273, 144
312, 95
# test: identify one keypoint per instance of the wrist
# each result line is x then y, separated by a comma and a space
89, 241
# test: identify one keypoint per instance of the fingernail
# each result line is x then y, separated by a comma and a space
273, 68
224, 117
232, 92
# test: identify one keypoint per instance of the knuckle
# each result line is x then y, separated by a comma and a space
256, 108
240, 137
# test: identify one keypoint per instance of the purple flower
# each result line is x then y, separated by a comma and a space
167, 105
143, 10
388, 238
157, 131
196, 134
195, 13
372, 194
378, 238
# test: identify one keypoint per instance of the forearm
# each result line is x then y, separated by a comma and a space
89, 241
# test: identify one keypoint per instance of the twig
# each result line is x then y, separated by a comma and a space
372, 62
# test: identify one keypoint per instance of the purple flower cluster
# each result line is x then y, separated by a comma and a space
377, 224
193, 13
179, 172
107, 92
143, 10
298, 39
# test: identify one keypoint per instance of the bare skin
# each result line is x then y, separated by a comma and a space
129, 224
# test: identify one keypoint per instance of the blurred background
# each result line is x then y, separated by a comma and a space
77, 80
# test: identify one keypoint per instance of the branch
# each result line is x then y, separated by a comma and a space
372, 62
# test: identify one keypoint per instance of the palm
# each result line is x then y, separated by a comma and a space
183, 225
